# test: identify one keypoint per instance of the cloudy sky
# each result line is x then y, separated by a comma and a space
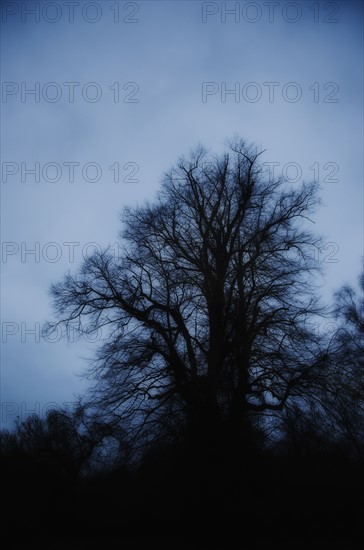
99, 99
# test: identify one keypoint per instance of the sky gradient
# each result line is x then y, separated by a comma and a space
120, 91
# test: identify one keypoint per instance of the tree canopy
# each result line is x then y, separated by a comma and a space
205, 312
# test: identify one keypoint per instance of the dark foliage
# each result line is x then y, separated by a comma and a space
187, 498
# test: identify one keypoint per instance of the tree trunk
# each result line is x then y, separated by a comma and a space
203, 421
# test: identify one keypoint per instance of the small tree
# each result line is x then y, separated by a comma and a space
72, 443
205, 312
344, 397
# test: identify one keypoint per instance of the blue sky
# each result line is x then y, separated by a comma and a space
164, 59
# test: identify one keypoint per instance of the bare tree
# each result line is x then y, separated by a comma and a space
205, 312
75, 443
344, 397
331, 417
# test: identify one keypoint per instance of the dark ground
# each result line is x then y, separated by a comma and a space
187, 500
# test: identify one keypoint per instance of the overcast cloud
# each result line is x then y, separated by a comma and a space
132, 86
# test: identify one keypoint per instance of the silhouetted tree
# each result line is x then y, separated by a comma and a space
345, 387
205, 311
72, 443
330, 418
